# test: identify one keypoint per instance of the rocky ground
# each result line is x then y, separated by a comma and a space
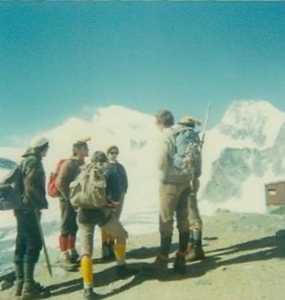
245, 261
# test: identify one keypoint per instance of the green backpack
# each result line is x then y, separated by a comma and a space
88, 190
12, 189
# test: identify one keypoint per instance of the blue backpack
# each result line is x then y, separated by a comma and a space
187, 157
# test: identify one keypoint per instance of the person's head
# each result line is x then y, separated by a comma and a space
112, 153
164, 119
99, 157
80, 149
40, 146
189, 121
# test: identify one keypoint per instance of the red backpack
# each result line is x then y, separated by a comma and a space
51, 186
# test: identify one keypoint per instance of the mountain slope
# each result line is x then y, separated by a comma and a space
245, 150
249, 148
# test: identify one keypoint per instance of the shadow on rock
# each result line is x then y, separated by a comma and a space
142, 253
147, 252
265, 248
106, 282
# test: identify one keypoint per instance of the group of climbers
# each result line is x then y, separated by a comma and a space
178, 187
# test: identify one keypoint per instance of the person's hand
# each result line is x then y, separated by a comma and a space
112, 204
75, 208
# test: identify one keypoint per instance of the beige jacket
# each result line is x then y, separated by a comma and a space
166, 150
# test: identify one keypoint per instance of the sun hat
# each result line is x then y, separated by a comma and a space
187, 120
39, 142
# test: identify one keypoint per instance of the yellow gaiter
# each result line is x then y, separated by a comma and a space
87, 271
120, 252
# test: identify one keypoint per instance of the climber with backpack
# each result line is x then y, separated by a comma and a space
96, 193
67, 171
174, 192
187, 156
29, 239
188, 159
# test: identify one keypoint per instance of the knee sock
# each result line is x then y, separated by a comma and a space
71, 242
63, 243
87, 271
120, 253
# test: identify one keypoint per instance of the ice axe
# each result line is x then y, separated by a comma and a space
43, 242
206, 123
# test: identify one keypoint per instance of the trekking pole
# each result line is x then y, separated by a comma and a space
44, 244
206, 123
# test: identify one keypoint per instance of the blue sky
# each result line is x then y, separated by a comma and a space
63, 59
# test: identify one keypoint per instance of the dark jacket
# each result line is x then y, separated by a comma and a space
118, 175
67, 173
114, 187
34, 196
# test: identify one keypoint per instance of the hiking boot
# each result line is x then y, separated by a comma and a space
108, 253
111, 246
89, 294
179, 265
73, 256
18, 288
19, 274
160, 269
34, 291
195, 253
67, 264
124, 272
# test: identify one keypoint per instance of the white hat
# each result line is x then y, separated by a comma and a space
38, 142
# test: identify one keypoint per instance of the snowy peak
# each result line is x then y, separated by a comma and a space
242, 153
124, 123
245, 150
7, 164
128, 129
109, 124
256, 123
117, 114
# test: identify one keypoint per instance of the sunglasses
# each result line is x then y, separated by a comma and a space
114, 152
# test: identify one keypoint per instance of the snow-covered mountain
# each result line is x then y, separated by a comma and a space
133, 132
253, 124
8, 160
7, 163
243, 152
